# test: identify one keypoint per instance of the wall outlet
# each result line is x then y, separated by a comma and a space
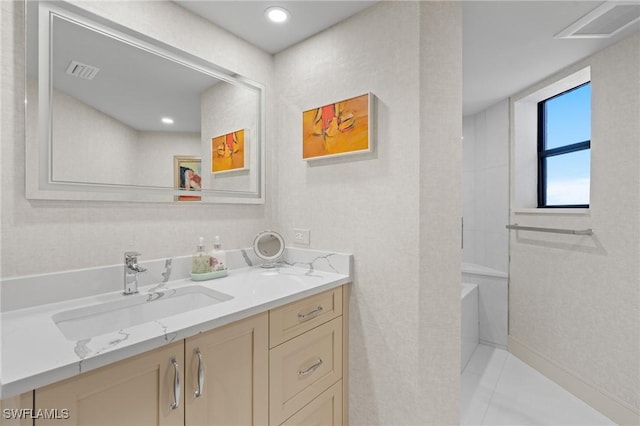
302, 236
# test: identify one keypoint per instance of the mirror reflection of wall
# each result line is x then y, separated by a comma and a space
94, 147
121, 108
225, 109
108, 101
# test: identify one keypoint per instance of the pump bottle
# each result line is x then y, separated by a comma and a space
201, 263
218, 256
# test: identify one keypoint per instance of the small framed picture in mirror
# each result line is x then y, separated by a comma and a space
187, 176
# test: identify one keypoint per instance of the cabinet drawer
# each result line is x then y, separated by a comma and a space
325, 410
302, 368
295, 318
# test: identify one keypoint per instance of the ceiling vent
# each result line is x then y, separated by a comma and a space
604, 21
81, 70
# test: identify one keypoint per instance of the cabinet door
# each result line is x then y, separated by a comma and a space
233, 361
15, 410
136, 391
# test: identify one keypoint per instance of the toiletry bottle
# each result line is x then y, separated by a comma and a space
201, 263
218, 256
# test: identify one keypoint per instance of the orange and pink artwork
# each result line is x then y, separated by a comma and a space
337, 129
227, 152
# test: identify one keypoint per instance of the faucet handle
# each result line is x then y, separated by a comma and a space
131, 254
131, 261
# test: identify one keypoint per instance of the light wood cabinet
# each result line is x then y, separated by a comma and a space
301, 316
304, 367
133, 392
233, 362
325, 410
284, 366
227, 367
16, 410
306, 361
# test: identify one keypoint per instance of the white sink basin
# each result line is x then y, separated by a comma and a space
94, 320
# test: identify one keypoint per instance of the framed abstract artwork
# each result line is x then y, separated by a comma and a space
228, 152
337, 129
187, 176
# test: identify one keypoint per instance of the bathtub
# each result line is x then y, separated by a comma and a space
492, 302
469, 324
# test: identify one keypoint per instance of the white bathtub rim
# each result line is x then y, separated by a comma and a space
475, 269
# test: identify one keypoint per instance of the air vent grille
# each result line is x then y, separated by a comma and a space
78, 69
604, 21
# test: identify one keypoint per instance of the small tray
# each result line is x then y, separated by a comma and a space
210, 275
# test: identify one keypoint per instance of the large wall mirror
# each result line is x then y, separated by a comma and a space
114, 115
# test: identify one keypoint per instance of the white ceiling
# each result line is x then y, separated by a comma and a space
246, 19
507, 45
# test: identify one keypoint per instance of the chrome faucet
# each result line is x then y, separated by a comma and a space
167, 270
131, 269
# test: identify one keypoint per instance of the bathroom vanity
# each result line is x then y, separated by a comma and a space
271, 351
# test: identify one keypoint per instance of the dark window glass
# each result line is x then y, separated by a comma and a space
564, 149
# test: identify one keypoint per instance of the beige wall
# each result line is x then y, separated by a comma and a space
398, 211
575, 301
154, 156
82, 134
440, 211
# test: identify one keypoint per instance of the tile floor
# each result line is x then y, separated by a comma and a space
498, 389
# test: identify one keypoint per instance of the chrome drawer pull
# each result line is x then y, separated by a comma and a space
309, 315
176, 385
311, 369
200, 390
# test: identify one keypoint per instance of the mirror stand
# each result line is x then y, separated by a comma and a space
268, 246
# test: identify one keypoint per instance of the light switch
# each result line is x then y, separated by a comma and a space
301, 236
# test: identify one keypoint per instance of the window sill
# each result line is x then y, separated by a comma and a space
543, 212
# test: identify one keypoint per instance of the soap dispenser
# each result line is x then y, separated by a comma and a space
201, 263
218, 256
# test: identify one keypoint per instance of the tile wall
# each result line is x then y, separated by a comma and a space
486, 186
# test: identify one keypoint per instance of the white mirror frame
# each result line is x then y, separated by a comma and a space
264, 237
39, 182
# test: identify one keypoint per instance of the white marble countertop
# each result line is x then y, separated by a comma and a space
36, 353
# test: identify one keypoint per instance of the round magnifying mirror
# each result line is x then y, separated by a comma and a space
268, 246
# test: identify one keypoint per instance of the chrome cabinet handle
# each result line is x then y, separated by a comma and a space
311, 369
198, 393
309, 315
176, 385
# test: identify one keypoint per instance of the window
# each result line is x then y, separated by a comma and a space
564, 148
546, 171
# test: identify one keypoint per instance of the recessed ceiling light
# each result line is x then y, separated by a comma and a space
277, 14
167, 120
